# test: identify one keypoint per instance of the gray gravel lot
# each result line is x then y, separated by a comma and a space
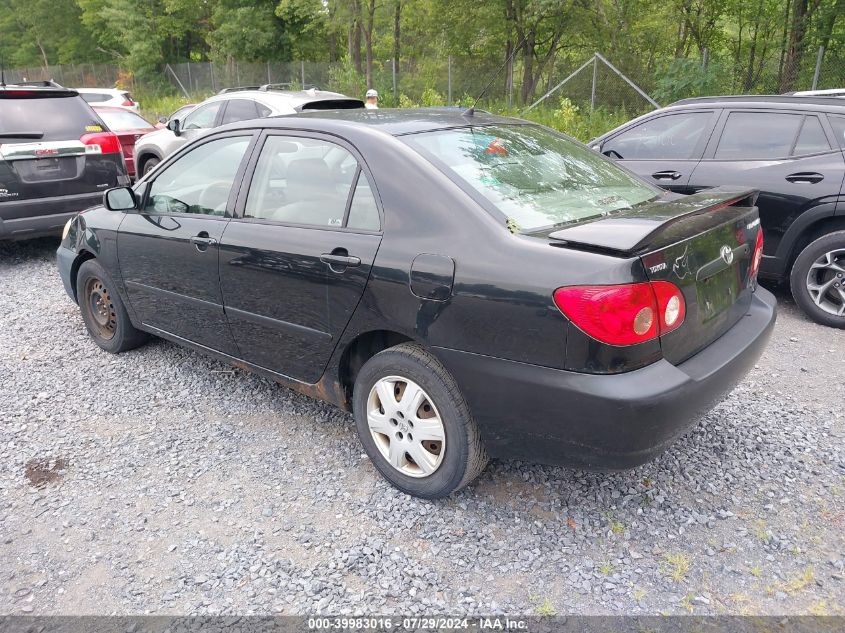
160, 481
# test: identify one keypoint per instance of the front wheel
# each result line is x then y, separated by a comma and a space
415, 424
149, 165
818, 280
103, 311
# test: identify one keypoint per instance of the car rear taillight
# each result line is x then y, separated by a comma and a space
127, 102
758, 255
624, 314
101, 143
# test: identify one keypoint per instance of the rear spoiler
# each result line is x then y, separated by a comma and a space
633, 231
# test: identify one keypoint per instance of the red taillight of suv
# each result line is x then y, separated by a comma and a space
127, 102
101, 143
624, 314
758, 255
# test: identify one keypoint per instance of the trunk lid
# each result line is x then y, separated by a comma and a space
703, 243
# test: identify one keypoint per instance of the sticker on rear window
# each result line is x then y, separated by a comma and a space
93, 128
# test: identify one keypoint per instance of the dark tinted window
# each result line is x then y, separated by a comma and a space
96, 97
239, 110
200, 181
838, 125
55, 118
812, 138
758, 135
670, 136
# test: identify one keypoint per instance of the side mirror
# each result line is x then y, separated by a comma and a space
162, 119
174, 126
120, 199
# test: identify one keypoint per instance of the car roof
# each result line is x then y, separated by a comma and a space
292, 98
784, 101
820, 93
393, 121
106, 90
105, 108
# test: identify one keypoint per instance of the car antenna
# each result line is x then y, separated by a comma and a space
471, 110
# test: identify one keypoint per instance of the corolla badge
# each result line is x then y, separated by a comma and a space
727, 254
681, 265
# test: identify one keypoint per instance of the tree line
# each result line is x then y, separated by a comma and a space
679, 46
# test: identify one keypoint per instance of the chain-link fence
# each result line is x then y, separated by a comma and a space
630, 85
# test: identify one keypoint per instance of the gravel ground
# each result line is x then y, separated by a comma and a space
160, 481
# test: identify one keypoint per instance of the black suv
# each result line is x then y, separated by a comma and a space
56, 158
789, 147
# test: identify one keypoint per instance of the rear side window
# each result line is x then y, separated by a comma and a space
838, 125
96, 97
811, 139
671, 136
46, 119
239, 110
758, 136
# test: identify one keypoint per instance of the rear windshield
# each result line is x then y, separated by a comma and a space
124, 120
45, 119
536, 178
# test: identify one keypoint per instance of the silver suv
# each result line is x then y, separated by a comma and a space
229, 106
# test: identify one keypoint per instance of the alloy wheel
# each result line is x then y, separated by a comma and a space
826, 282
406, 426
102, 308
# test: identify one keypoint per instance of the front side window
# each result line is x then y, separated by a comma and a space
308, 181
674, 136
758, 136
203, 117
200, 181
535, 177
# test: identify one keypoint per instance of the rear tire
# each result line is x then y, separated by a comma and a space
818, 280
447, 452
149, 165
103, 311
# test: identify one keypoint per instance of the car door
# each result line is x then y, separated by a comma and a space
198, 122
296, 259
665, 148
790, 156
168, 250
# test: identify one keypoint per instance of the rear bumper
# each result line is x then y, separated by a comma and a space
604, 422
42, 216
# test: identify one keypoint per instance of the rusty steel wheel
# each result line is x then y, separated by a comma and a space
101, 307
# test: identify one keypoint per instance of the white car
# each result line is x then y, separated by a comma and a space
230, 105
829, 92
108, 97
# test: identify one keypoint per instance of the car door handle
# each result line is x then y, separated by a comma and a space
202, 241
335, 259
805, 177
666, 175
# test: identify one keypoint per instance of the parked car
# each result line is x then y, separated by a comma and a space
231, 105
829, 92
468, 286
178, 114
129, 127
791, 148
56, 158
109, 97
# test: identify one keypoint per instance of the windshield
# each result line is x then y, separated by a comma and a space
536, 178
124, 120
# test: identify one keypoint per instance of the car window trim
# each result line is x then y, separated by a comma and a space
237, 183
710, 155
350, 196
249, 174
700, 147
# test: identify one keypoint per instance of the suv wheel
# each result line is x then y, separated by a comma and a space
415, 424
818, 280
149, 165
103, 311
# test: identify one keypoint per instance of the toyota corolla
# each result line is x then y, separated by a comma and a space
468, 286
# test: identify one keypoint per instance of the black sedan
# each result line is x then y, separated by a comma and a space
469, 286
